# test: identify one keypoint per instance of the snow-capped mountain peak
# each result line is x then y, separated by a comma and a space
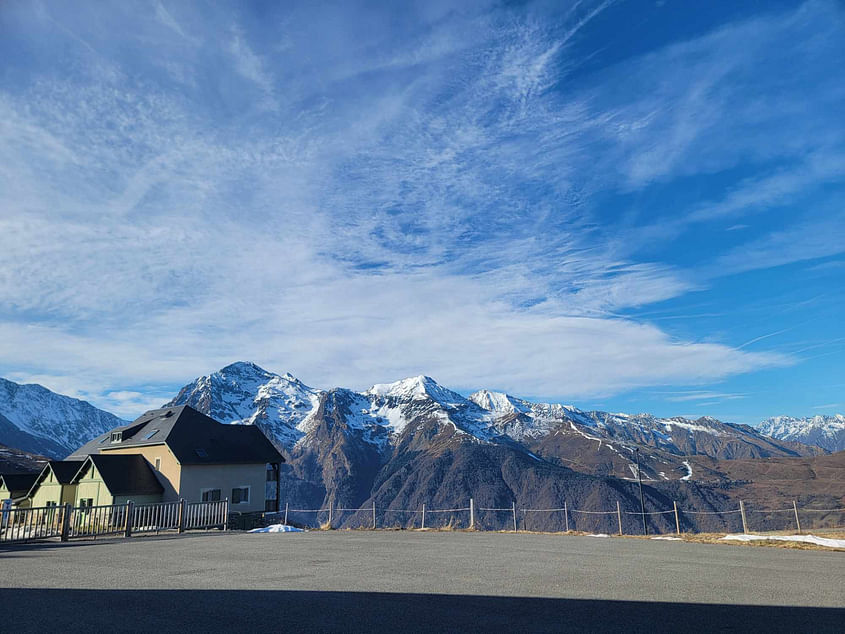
499, 402
243, 392
827, 432
38, 420
417, 388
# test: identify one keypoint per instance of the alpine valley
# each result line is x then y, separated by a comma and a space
401, 445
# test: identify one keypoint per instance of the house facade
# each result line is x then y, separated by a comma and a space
108, 479
15, 487
192, 457
55, 485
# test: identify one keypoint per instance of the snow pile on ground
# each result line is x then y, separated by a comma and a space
277, 528
668, 539
810, 539
599, 535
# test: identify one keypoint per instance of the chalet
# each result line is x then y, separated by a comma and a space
192, 457
55, 484
115, 479
15, 487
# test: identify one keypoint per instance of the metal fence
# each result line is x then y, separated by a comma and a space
743, 518
68, 522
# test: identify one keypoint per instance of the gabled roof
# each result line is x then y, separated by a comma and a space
191, 436
123, 474
64, 470
18, 484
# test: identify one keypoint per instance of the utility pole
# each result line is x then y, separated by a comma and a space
640, 481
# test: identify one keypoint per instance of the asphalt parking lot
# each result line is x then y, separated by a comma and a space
411, 581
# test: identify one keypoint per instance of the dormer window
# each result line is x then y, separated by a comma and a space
116, 436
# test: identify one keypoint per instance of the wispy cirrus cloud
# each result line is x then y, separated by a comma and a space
370, 195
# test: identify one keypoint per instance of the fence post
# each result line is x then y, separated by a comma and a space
619, 515
677, 519
797, 521
423, 517
66, 522
286, 513
331, 508
471, 514
226, 515
742, 512
182, 509
566, 515
130, 511
514, 517
374, 515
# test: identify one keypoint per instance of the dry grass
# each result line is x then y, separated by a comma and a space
716, 538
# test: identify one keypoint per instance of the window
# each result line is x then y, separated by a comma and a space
240, 495
272, 473
86, 502
211, 495
152, 433
116, 436
158, 464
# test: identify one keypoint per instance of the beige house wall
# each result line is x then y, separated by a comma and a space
5, 494
196, 478
169, 473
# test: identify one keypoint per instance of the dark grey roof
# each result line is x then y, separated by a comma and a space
124, 474
18, 484
64, 470
193, 437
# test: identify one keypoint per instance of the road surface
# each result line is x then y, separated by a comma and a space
410, 581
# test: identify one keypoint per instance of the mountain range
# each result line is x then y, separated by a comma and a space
411, 442
827, 432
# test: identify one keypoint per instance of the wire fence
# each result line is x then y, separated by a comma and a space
744, 518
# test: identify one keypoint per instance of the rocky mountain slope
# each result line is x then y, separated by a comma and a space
827, 432
16, 461
34, 419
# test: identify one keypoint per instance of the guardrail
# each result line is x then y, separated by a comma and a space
69, 522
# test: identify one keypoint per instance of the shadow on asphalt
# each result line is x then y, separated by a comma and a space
74, 610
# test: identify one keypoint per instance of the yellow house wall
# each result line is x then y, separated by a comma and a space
91, 486
5, 494
50, 490
195, 478
170, 473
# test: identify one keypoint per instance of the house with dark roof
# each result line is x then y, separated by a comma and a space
196, 458
15, 486
115, 479
55, 484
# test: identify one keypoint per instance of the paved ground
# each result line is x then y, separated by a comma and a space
410, 581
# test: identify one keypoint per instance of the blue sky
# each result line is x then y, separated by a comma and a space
634, 206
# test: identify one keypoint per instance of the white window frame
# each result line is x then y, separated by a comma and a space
204, 491
248, 495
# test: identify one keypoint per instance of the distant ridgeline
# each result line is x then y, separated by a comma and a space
415, 442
